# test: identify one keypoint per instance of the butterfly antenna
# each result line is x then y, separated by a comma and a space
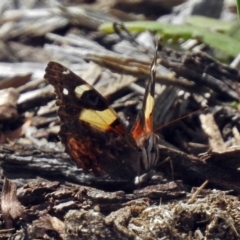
122, 31
178, 119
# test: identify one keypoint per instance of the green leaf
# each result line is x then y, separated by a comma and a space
234, 104
224, 46
234, 32
210, 23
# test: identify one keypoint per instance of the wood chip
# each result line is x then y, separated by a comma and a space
211, 129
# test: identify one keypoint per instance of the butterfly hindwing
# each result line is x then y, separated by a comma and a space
93, 134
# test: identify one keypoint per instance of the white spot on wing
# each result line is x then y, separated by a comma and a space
66, 72
65, 91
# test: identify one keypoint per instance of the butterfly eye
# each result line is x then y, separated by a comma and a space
65, 91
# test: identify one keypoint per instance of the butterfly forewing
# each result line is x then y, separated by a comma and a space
93, 134
142, 130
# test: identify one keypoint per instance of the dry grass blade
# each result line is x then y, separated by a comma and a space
194, 196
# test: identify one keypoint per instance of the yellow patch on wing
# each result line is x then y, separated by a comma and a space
149, 106
79, 90
99, 119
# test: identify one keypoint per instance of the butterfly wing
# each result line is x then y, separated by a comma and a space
144, 122
142, 130
91, 131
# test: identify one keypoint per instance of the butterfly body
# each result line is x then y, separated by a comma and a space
93, 134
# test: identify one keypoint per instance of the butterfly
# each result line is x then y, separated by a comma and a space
94, 136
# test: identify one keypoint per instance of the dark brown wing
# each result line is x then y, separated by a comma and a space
142, 130
91, 131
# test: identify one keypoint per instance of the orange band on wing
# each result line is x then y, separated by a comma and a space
138, 129
118, 128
